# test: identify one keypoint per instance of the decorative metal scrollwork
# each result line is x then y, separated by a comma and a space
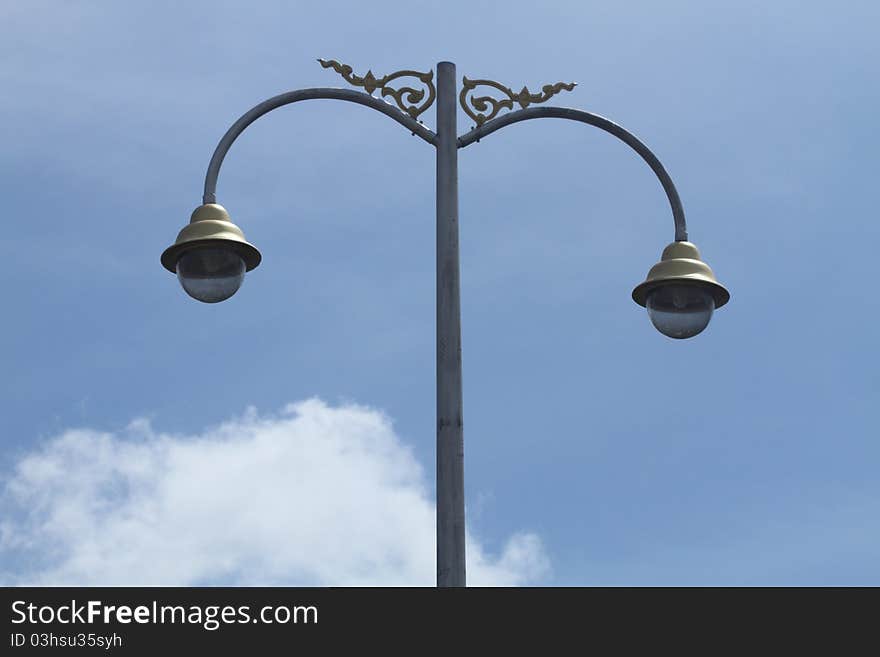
407, 98
525, 98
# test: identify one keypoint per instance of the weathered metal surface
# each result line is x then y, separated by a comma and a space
601, 122
281, 100
450, 436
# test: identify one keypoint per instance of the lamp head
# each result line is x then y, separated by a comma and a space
680, 292
210, 255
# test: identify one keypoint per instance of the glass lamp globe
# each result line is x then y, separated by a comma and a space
210, 274
680, 311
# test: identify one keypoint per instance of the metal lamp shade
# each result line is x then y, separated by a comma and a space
681, 264
210, 226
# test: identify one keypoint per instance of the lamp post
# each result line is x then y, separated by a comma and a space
211, 254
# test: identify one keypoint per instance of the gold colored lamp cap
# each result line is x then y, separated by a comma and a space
681, 264
210, 225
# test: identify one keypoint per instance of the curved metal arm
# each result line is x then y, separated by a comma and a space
600, 122
295, 96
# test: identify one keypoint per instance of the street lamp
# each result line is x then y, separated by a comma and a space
211, 254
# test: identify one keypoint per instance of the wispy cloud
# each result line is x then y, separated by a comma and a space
315, 495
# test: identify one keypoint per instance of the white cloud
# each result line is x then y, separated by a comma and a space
316, 495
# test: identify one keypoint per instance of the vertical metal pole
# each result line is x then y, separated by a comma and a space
450, 439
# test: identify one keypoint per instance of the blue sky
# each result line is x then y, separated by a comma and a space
604, 452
